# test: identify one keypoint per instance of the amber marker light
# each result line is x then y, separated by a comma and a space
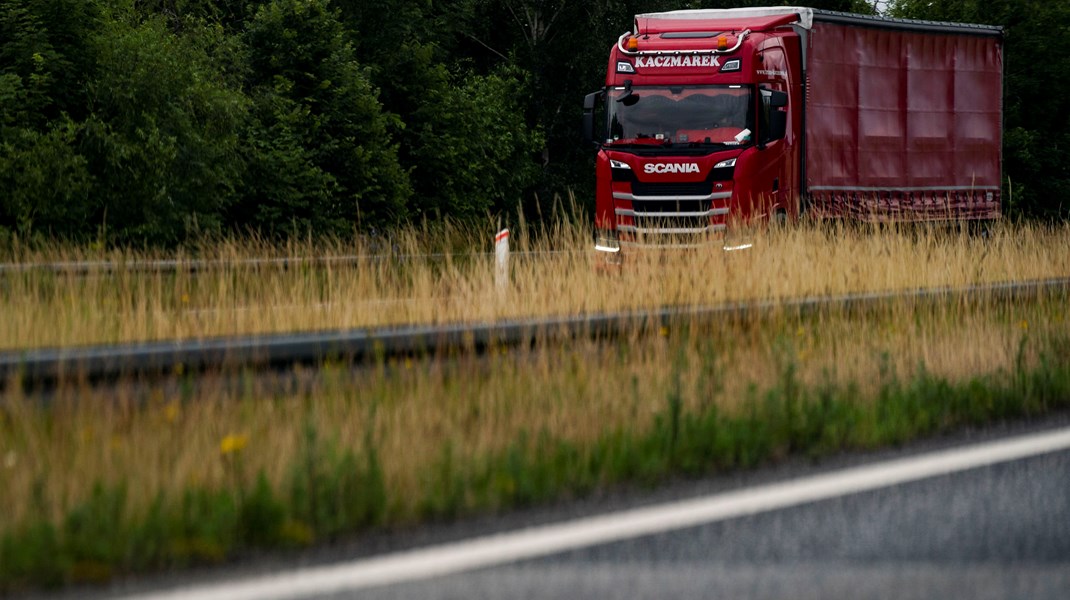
633, 43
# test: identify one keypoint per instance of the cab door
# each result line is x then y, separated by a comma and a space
778, 175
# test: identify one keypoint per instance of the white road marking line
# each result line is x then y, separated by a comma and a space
540, 541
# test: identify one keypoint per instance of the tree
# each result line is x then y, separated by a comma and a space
466, 142
45, 59
319, 123
162, 134
472, 150
864, 7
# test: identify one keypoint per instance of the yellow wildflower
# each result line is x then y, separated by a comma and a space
233, 443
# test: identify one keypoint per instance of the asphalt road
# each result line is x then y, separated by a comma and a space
994, 528
994, 532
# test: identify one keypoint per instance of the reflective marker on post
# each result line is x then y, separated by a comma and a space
501, 255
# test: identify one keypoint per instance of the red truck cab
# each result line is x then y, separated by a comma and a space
698, 117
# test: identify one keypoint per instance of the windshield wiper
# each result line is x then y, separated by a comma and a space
702, 144
640, 142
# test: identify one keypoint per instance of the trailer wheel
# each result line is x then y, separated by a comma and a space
981, 230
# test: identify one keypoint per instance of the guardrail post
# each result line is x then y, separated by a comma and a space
501, 259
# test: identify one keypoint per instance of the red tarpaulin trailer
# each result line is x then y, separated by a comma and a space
904, 122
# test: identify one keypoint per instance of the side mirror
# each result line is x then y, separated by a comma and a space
590, 101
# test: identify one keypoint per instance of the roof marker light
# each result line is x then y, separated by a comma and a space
632, 44
722, 43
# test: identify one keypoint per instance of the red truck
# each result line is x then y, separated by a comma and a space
709, 116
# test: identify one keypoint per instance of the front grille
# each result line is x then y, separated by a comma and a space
651, 223
670, 214
699, 188
670, 206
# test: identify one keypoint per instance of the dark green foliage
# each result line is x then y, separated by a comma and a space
151, 540
319, 122
868, 7
90, 530
261, 515
206, 526
162, 138
444, 492
46, 45
31, 556
44, 180
284, 187
332, 490
466, 138
471, 148
45, 52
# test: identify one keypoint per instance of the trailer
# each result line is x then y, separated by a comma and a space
713, 116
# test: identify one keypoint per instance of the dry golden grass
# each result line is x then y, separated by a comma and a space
163, 440
558, 276
168, 439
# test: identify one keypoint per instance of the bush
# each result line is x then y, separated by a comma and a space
163, 136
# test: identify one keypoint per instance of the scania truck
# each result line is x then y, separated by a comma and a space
711, 117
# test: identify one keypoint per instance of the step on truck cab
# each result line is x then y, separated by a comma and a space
712, 117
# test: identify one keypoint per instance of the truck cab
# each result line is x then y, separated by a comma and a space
694, 129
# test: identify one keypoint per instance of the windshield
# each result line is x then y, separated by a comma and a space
680, 116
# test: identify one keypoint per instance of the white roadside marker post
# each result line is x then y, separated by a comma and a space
501, 257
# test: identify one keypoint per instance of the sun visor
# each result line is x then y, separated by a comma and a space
806, 15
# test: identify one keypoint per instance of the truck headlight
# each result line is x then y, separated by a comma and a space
606, 241
724, 164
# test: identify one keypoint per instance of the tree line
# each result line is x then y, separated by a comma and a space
153, 122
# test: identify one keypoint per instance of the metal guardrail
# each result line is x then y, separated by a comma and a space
36, 367
199, 265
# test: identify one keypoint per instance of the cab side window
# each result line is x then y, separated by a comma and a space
765, 107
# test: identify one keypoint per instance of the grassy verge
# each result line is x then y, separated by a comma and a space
96, 484
40, 308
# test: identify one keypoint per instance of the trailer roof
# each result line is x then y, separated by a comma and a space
762, 17
831, 16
